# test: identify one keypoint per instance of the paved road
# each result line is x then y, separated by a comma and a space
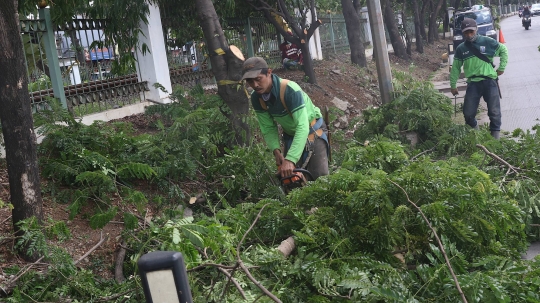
520, 83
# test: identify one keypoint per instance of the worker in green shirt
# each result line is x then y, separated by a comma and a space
280, 101
476, 56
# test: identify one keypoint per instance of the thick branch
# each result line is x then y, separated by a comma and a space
494, 156
233, 280
210, 264
287, 246
11, 283
280, 29
441, 247
313, 27
119, 264
92, 249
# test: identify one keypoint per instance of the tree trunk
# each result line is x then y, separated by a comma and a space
352, 23
417, 30
457, 4
433, 34
393, 32
76, 44
17, 123
227, 69
445, 19
422, 19
358, 7
302, 31
308, 62
408, 38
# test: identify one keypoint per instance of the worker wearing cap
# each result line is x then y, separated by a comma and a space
482, 77
281, 101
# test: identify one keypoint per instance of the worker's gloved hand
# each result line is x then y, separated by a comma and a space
286, 168
454, 91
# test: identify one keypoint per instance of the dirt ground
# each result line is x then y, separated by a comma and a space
336, 78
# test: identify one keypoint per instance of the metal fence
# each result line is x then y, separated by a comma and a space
187, 60
255, 36
71, 62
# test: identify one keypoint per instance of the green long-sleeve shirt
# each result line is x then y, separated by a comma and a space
474, 66
302, 109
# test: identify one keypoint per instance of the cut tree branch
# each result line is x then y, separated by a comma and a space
11, 283
92, 249
233, 280
119, 264
245, 269
441, 247
494, 156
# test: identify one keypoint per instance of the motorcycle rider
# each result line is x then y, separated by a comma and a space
526, 14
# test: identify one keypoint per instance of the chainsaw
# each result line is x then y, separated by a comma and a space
298, 179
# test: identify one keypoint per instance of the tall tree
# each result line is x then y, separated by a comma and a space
417, 29
352, 23
393, 32
17, 123
422, 15
408, 38
227, 68
302, 28
433, 33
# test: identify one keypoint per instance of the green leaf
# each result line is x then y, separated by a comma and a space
176, 236
100, 220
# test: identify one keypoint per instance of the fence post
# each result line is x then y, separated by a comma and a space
249, 39
332, 34
52, 57
152, 66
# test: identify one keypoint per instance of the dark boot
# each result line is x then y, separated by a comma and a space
495, 134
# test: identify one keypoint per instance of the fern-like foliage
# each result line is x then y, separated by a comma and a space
420, 109
99, 220
136, 171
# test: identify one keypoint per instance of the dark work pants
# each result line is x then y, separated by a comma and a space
318, 163
487, 89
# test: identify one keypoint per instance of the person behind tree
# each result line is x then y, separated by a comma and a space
291, 55
476, 56
283, 102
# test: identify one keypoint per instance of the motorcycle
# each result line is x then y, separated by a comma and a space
526, 22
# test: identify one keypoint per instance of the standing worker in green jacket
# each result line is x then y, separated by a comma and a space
476, 56
305, 135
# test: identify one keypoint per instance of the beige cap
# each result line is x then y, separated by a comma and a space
252, 67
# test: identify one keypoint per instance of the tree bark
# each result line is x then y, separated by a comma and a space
302, 31
433, 34
445, 18
352, 23
417, 29
422, 19
17, 123
393, 32
408, 38
358, 7
76, 44
309, 72
227, 69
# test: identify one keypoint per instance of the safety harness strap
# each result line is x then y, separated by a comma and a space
282, 88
